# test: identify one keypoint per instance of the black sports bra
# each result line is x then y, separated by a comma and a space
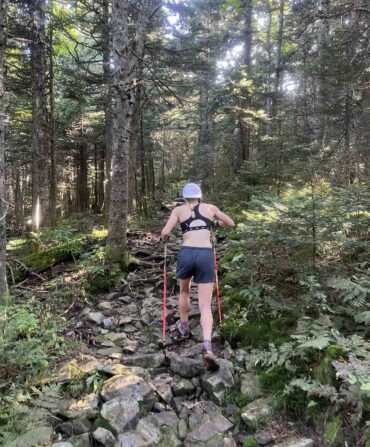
185, 226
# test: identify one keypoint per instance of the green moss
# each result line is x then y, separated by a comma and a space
325, 373
250, 441
274, 380
101, 422
332, 430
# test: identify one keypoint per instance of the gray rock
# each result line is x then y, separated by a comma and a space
250, 386
121, 413
182, 387
80, 440
109, 352
186, 367
264, 438
166, 419
105, 305
80, 426
87, 407
217, 383
182, 429
119, 338
116, 369
129, 387
164, 391
130, 347
131, 309
62, 444
112, 295
37, 436
207, 430
104, 436
108, 323
177, 403
148, 431
256, 412
130, 328
95, 317
145, 360
125, 319
297, 442
132, 440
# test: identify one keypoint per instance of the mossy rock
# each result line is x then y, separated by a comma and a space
102, 282
325, 372
250, 441
332, 433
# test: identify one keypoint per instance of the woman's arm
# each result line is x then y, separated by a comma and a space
223, 219
172, 221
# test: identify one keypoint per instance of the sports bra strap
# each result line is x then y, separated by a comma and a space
185, 226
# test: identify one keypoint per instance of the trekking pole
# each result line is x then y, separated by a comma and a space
217, 286
164, 293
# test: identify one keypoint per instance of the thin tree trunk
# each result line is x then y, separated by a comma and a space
53, 179
41, 200
245, 100
108, 107
3, 205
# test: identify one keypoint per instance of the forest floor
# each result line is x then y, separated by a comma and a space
122, 385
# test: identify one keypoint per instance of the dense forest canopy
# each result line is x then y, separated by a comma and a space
107, 108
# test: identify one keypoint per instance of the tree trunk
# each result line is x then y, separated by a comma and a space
320, 103
245, 99
3, 204
40, 181
53, 179
203, 151
125, 81
82, 189
108, 108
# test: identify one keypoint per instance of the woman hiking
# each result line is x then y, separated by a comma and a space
196, 260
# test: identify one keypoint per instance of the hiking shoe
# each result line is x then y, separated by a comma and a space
210, 361
179, 334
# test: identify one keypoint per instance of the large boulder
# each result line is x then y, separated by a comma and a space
257, 412
145, 360
217, 383
104, 436
129, 387
38, 436
121, 413
207, 431
87, 407
186, 367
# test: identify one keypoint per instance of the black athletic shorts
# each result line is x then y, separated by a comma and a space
197, 262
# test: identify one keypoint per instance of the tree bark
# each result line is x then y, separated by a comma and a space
108, 107
40, 181
3, 204
53, 179
245, 100
126, 71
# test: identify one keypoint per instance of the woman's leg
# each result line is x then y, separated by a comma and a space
184, 299
204, 301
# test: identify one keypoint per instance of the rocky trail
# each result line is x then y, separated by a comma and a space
148, 392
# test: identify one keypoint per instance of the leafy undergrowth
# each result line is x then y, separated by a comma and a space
296, 288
